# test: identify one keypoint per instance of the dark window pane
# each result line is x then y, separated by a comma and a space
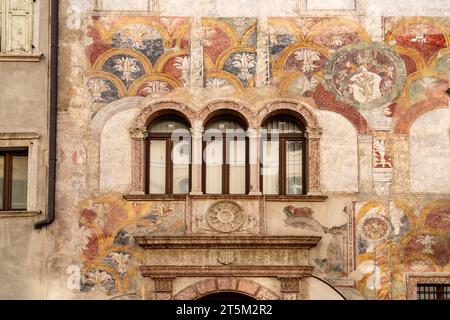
225, 125
283, 125
157, 168
19, 182
168, 126
294, 166
236, 158
214, 159
2, 170
181, 159
271, 169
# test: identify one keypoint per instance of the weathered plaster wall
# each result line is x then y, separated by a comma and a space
339, 149
430, 152
115, 153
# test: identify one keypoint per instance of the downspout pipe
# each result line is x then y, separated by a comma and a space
54, 16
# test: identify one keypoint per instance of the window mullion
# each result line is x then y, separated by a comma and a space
169, 165
8, 182
282, 166
225, 167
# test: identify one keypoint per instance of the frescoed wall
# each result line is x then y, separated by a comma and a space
136, 56
370, 87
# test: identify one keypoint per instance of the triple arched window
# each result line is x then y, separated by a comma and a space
225, 156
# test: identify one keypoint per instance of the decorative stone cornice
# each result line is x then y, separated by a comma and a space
19, 135
14, 57
229, 242
225, 271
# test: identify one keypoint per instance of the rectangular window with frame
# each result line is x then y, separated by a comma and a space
431, 291
13, 179
16, 26
282, 166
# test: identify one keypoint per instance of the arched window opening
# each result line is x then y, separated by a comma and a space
283, 156
225, 156
168, 156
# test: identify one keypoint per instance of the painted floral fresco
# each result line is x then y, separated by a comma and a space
300, 47
397, 237
229, 52
104, 239
136, 56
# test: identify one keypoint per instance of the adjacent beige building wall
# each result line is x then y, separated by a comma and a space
24, 109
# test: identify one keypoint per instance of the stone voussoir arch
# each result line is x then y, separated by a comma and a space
313, 133
405, 122
301, 109
153, 110
237, 106
226, 284
107, 112
138, 134
96, 127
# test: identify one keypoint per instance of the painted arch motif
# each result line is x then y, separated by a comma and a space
299, 49
130, 50
229, 52
426, 36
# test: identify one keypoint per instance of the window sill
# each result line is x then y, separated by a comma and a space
302, 198
14, 57
19, 214
155, 197
183, 197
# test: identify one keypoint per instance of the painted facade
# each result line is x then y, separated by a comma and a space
371, 88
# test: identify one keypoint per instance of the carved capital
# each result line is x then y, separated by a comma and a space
365, 138
138, 134
253, 133
197, 130
163, 284
314, 133
290, 284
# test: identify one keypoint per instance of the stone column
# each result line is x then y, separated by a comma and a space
303, 293
197, 158
400, 150
254, 154
138, 165
365, 163
262, 53
313, 136
163, 288
290, 288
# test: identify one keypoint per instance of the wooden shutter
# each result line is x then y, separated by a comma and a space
19, 25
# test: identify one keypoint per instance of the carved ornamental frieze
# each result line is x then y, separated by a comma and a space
226, 217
